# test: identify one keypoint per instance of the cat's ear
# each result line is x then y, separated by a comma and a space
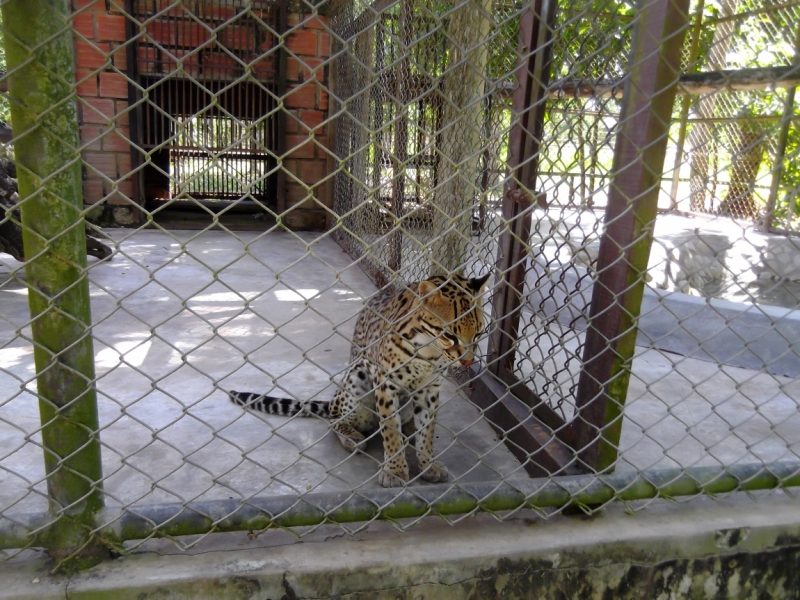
477, 284
430, 292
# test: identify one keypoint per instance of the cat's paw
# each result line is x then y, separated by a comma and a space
388, 478
435, 473
352, 442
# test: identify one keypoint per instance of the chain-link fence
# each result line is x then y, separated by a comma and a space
274, 165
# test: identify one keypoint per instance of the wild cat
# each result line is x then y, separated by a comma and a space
402, 344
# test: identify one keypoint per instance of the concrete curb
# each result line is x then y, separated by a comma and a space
732, 548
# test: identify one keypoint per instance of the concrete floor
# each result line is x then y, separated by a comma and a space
180, 317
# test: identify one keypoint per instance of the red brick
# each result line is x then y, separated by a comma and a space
97, 110
123, 114
264, 70
111, 28
296, 194
189, 62
236, 37
91, 56
314, 22
92, 192
312, 118
85, 82
304, 96
311, 69
292, 121
191, 35
117, 142
322, 145
96, 164
324, 45
148, 60
83, 23
113, 85
94, 5
292, 69
120, 56
124, 163
175, 9
219, 66
123, 193
323, 99
90, 137
311, 171
303, 42
213, 10
116, 6
302, 151
161, 32
266, 44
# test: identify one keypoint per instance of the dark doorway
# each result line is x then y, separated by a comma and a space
208, 125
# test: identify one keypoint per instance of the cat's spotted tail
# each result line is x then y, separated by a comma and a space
284, 407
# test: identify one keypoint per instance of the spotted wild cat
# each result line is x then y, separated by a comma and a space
402, 344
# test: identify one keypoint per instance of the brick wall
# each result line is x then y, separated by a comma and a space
306, 105
105, 115
103, 101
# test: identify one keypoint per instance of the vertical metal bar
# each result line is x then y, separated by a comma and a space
39, 50
533, 73
638, 165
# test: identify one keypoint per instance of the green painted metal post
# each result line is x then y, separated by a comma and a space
39, 51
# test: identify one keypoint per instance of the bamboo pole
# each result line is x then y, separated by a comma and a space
197, 518
39, 50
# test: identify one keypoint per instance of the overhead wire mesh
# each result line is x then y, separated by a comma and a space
432, 139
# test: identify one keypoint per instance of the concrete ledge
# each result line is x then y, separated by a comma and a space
731, 548
763, 338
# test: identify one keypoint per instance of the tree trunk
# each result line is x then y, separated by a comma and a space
700, 139
747, 148
461, 135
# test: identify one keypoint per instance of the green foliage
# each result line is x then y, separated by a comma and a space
5, 109
787, 208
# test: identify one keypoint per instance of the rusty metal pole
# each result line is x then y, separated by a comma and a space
529, 97
639, 155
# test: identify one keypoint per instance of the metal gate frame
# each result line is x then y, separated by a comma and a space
543, 441
140, 156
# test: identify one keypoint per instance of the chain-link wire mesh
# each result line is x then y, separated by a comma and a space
253, 172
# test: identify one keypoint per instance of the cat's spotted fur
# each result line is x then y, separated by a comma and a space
403, 342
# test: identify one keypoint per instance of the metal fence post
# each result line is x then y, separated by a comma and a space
625, 247
39, 47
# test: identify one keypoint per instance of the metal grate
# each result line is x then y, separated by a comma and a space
212, 76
